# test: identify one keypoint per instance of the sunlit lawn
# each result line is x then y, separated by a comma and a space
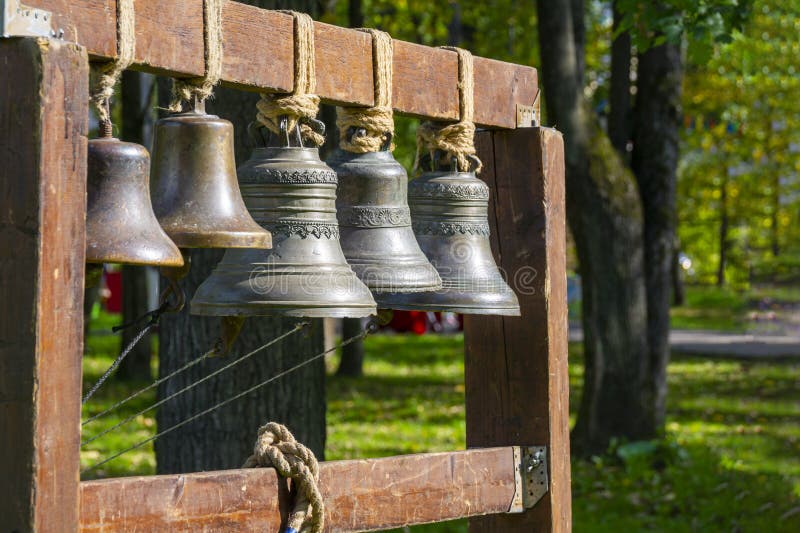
731, 460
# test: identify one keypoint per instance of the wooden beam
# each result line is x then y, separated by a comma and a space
360, 495
258, 55
43, 127
517, 385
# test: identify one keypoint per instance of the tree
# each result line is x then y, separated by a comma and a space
224, 438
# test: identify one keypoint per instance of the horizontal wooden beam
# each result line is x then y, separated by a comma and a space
360, 495
258, 55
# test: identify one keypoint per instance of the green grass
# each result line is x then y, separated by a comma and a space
730, 460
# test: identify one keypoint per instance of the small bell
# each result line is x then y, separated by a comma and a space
195, 193
120, 224
376, 234
449, 211
292, 193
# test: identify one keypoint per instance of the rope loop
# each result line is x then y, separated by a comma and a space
457, 140
371, 129
201, 88
276, 447
106, 75
301, 106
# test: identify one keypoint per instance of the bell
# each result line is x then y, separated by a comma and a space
195, 194
291, 193
120, 224
449, 212
376, 234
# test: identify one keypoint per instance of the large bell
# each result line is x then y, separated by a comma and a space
120, 224
449, 211
292, 193
376, 234
195, 194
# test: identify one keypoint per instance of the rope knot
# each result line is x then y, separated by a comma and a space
455, 140
377, 124
276, 447
299, 109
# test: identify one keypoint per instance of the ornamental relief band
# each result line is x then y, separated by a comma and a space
294, 177
375, 217
450, 228
476, 191
302, 229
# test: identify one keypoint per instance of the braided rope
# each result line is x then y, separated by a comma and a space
302, 104
457, 140
106, 75
201, 88
276, 447
378, 121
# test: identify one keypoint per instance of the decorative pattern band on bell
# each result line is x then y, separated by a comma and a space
292, 193
376, 234
449, 211
195, 193
120, 224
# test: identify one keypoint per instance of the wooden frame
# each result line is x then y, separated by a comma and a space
516, 372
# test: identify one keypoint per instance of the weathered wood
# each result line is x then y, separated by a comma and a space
43, 126
258, 55
361, 495
517, 384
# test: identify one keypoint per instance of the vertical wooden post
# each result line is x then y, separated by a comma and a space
517, 384
43, 126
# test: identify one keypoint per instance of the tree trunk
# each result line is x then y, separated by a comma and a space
619, 130
657, 118
224, 438
352, 363
138, 118
605, 218
678, 289
723, 229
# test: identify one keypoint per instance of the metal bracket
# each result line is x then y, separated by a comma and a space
530, 475
529, 116
20, 20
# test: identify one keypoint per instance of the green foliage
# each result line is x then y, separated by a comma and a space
740, 148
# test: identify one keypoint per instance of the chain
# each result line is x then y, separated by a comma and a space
370, 328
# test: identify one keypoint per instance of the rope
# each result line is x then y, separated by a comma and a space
106, 75
370, 328
201, 88
276, 447
457, 140
302, 105
220, 370
377, 122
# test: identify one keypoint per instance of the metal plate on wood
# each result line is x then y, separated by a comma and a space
534, 474
17, 19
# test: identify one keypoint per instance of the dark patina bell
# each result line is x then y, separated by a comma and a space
291, 193
195, 193
449, 211
376, 234
120, 224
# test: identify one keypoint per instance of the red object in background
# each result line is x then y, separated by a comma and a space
409, 321
112, 296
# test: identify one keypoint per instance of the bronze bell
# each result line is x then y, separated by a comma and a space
292, 193
449, 211
195, 193
120, 224
376, 234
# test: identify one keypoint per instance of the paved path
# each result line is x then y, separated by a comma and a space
714, 343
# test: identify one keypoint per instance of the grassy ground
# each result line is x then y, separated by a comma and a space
730, 462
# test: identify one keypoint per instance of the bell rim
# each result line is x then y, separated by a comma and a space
310, 310
222, 239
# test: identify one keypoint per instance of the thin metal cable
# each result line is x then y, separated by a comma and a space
118, 360
233, 363
370, 328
